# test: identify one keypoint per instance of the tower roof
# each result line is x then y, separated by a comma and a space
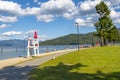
35, 35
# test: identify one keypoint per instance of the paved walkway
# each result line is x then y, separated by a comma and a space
20, 71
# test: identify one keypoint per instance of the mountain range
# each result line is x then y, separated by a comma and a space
13, 43
71, 39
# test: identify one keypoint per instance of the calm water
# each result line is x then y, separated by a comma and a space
7, 52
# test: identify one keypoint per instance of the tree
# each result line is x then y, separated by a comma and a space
114, 35
104, 25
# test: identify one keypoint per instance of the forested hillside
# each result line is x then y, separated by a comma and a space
71, 39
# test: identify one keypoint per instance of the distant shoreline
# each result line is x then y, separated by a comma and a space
11, 52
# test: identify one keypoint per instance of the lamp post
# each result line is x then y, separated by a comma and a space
78, 35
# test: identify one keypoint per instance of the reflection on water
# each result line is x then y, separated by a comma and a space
8, 52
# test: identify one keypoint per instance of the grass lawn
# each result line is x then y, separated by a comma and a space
101, 63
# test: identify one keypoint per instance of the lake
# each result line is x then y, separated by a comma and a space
12, 52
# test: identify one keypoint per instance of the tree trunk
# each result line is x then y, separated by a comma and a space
102, 40
105, 43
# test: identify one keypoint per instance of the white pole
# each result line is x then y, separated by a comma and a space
29, 46
38, 51
28, 49
38, 47
34, 47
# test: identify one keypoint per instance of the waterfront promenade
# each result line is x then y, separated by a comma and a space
10, 70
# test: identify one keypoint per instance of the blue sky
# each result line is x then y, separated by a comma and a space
51, 18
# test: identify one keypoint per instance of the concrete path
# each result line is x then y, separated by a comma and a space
20, 71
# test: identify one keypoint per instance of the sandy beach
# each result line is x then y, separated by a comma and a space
13, 61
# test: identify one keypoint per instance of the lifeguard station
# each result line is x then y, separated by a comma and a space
33, 44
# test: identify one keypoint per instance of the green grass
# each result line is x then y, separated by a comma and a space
101, 63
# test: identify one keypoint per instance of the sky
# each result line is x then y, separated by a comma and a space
51, 18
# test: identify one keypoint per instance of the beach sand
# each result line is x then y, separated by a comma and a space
13, 61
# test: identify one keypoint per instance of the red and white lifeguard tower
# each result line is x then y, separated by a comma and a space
33, 44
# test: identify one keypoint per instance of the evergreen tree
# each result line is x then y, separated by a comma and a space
104, 25
114, 35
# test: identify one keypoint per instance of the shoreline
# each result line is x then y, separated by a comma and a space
13, 61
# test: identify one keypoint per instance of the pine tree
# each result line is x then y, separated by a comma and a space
114, 35
104, 24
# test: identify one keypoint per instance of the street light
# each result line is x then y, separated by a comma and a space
78, 35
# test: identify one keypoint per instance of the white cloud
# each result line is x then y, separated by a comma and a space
48, 11
43, 37
86, 14
12, 8
4, 26
67, 15
31, 31
11, 33
8, 19
83, 9
57, 6
114, 14
84, 22
19, 35
66, 8
117, 21
30, 11
80, 21
88, 5
113, 2
46, 18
